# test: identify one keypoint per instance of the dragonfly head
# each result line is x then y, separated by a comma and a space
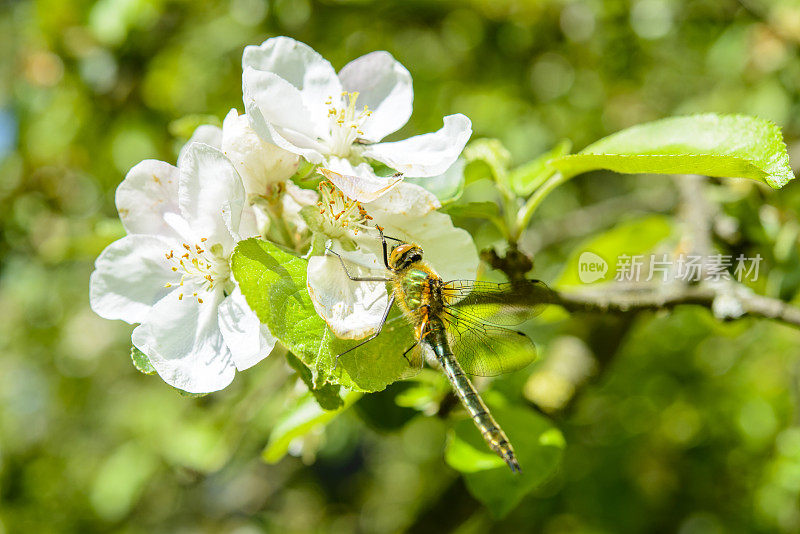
403, 256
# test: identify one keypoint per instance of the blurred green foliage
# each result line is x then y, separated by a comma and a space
672, 422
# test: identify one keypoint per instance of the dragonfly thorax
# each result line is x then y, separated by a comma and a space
418, 291
414, 288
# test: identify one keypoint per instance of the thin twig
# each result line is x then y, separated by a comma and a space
697, 215
727, 301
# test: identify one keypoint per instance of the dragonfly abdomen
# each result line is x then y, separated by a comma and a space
491, 431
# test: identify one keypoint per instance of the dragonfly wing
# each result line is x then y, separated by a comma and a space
500, 303
484, 349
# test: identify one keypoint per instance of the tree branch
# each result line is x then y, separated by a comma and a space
727, 300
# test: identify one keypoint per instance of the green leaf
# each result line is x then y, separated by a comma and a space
142, 362
306, 176
274, 284
734, 146
299, 421
493, 154
478, 210
526, 178
186, 394
327, 395
594, 260
538, 446
426, 392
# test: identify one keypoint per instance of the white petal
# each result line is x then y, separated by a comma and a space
280, 103
298, 64
249, 224
384, 85
260, 217
183, 341
369, 259
258, 163
358, 183
302, 144
447, 186
130, 277
407, 200
449, 250
211, 195
205, 133
299, 196
428, 154
149, 190
353, 310
248, 340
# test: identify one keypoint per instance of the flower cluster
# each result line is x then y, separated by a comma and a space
171, 273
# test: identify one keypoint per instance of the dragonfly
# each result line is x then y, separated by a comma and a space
461, 325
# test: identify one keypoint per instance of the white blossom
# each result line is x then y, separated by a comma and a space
295, 99
171, 273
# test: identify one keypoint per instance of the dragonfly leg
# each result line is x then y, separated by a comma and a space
385, 252
385, 246
357, 278
370, 338
422, 331
409, 349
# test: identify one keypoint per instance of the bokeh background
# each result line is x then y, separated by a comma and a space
673, 422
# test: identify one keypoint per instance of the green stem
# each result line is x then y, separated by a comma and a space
505, 223
502, 226
527, 211
509, 208
317, 247
276, 220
